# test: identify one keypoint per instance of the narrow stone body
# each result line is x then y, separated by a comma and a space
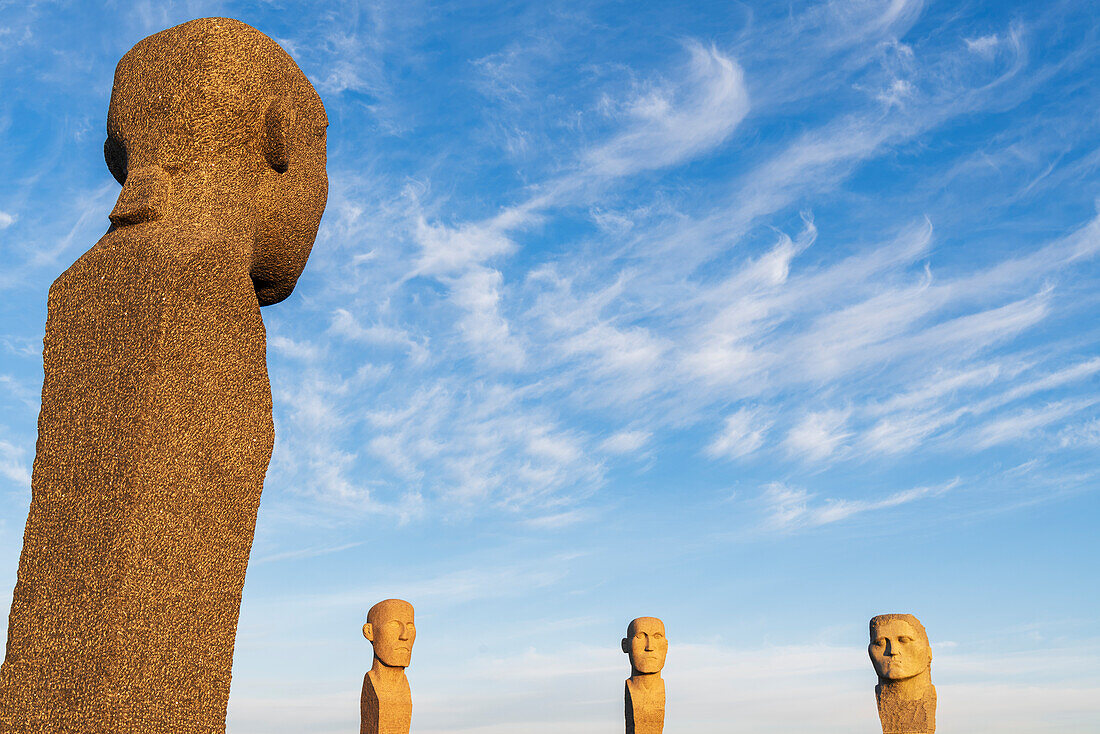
902, 659
906, 716
385, 705
644, 693
385, 708
156, 424
645, 708
154, 435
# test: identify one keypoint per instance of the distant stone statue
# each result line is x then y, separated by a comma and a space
386, 703
902, 658
155, 430
647, 646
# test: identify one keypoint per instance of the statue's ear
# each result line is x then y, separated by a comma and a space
368, 631
278, 132
626, 646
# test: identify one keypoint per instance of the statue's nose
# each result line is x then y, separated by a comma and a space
404, 632
648, 644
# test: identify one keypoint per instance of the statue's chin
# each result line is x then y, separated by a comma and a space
395, 662
897, 676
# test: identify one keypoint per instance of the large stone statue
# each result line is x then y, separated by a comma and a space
386, 703
647, 646
155, 430
902, 658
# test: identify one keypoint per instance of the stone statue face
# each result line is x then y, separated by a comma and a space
391, 630
898, 650
646, 645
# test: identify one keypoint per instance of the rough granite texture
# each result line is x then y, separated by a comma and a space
644, 693
902, 659
155, 430
385, 706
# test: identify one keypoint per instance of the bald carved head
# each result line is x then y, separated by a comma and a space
646, 644
211, 123
391, 631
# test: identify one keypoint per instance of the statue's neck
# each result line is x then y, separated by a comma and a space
910, 689
387, 675
646, 681
233, 214
205, 197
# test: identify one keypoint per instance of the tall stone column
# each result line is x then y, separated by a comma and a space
902, 659
385, 706
155, 430
644, 694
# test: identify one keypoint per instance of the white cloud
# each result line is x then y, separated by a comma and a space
1024, 423
742, 433
670, 125
292, 348
558, 447
344, 324
983, 45
616, 349
625, 442
938, 385
788, 508
477, 292
446, 250
911, 418
558, 519
818, 435
6, 220
13, 465
904, 432
1083, 435
1051, 381
483, 447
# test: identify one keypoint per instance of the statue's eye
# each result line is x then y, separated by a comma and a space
905, 639
658, 635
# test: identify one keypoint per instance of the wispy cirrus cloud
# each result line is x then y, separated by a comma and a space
669, 124
14, 465
742, 434
818, 435
626, 442
788, 509
666, 322
1024, 423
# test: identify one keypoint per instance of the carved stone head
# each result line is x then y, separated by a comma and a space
646, 644
212, 123
899, 647
391, 631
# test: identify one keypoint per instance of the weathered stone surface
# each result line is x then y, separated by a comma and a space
902, 658
155, 430
386, 703
647, 646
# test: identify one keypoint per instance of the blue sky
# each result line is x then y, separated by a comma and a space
759, 317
